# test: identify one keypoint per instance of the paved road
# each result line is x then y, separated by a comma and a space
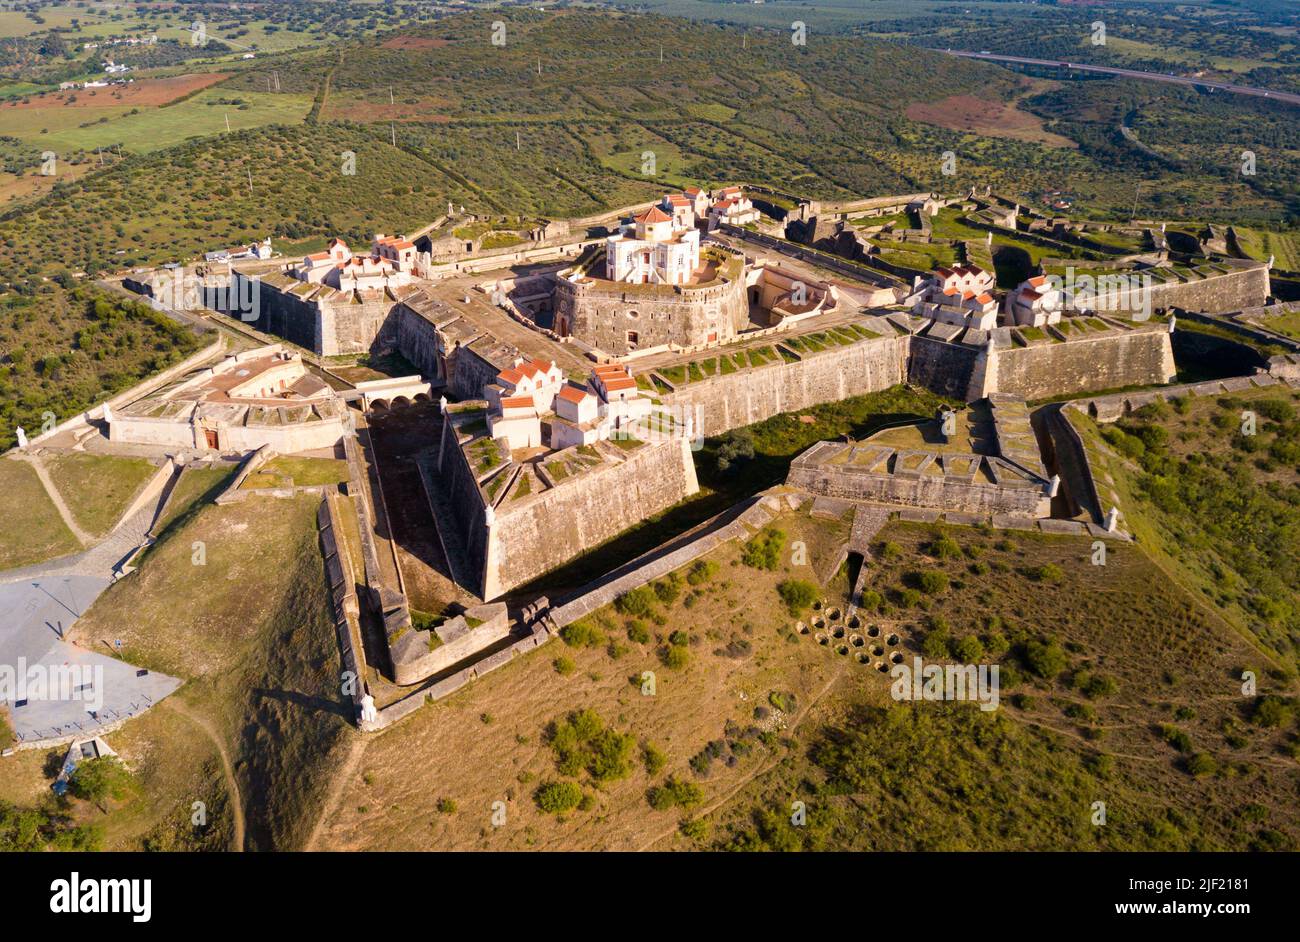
38, 614
1288, 97
38, 604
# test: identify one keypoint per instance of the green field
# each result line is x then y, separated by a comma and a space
33, 529
152, 129
98, 488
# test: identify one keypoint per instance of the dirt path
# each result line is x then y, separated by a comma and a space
82, 536
337, 787
231, 786
746, 779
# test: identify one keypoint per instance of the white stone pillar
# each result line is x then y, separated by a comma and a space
1053, 485
1112, 519
22, 438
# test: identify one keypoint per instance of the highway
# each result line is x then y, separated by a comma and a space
1287, 97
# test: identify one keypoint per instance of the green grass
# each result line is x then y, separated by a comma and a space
308, 472
33, 531
194, 486
154, 129
261, 661
98, 488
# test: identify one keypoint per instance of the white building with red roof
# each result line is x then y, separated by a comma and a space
653, 249
1035, 303
732, 206
389, 265
962, 295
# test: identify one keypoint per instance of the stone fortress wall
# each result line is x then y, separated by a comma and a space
727, 401
604, 314
527, 535
1135, 355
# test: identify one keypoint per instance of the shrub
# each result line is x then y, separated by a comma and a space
557, 797
668, 590
1271, 711
679, 637
1093, 685
734, 449
797, 594
654, 758
908, 598
446, 806
638, 631
785, 702
930, 581
945, 547
676, 657
1201, 764
1045, 658
1176, 737
1048, 572
99, 779
564, 666
695, 829
872, 600
764, 550
675, 793
935, 645
582, 634
639, 602
969, 650
890, 550
996, 643
701, 572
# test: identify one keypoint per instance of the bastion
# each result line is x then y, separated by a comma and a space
518, 516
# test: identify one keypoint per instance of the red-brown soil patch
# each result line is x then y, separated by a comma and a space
142, 93
982, 116
414, 42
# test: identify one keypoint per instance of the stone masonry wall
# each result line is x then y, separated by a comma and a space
944, 368
541, 532
602, 315
1233, 291
918, 490
727, 401
1139, 357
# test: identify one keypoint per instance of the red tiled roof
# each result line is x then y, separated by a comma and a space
653, 214
517, 402
984, 298
615, 383
510, 376
573, 394
1038, 280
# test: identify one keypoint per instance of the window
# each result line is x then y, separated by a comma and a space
632, 339
633, 315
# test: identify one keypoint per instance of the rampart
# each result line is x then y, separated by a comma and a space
726, 401
963, 483
575, 500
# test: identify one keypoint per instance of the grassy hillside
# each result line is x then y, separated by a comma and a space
61, 351
256, 646
1136, 703
1216, 507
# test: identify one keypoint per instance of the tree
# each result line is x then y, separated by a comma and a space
99, 779
797, 594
